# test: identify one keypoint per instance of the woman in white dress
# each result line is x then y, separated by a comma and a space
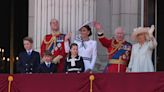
87, 48
141, 56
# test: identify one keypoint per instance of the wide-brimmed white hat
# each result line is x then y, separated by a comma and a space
140, 30
88, 24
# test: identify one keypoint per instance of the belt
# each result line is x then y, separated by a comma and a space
116, 61
87, 58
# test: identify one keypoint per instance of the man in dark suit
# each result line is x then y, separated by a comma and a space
47, 66
29, 60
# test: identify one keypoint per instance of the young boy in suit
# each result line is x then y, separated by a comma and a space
29, 60
47, 66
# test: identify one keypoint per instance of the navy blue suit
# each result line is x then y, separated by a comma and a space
28, 63
45, 69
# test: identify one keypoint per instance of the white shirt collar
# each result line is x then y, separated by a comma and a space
29, 50
47, 63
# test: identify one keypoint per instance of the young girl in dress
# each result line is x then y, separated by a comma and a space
74, 63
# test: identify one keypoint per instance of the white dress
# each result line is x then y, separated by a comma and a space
88, 50
141, 57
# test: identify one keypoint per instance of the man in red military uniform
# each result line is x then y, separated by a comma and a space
57, 43
118, 49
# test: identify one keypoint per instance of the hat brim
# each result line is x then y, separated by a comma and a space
140, 31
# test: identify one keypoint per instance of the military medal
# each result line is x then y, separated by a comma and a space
124, 57
59, 45
127, 53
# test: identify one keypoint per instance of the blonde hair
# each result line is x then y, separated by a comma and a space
146, 35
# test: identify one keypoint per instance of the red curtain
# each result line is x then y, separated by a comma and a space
129, 82
3, 83
112, 82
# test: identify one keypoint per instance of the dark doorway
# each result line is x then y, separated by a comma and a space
160, 33
16, 10
4, 34
149, 20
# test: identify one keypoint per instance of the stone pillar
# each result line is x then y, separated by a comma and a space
31, 18
103, 15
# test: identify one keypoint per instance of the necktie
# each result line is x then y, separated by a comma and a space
48, 65
29, 53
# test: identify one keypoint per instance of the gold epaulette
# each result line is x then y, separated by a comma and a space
53, 39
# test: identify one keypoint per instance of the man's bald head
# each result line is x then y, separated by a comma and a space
54, 20
119, 30
119, 33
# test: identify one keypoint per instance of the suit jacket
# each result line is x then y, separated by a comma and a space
44, 69
28, 63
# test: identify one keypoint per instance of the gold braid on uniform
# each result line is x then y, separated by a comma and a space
53, 38
115, 46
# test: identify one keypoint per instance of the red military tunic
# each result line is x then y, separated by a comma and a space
55, 44
118, 54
